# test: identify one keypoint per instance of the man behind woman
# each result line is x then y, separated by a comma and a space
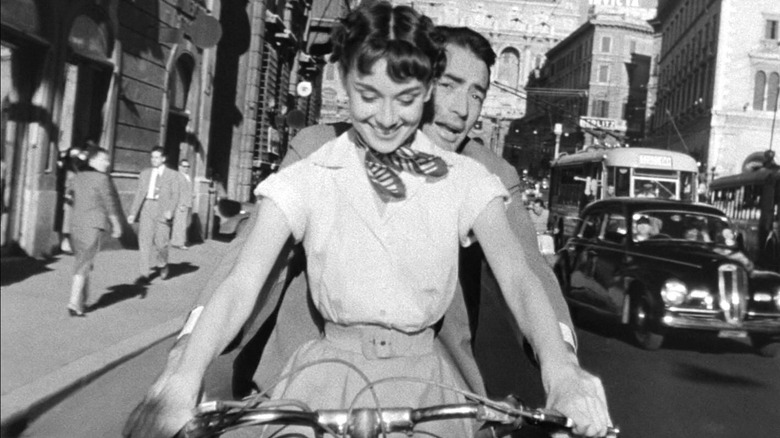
380, 211
96, 209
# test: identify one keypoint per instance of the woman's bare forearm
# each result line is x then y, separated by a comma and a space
233, 301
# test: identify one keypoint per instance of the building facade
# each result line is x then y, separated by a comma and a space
520, 32
268, 50
718, 72
127, 75
223, 84
594, 85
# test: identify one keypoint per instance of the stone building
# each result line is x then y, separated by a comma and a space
718, 72
520, 31
594, 84
127, 75
211, 81
269, 68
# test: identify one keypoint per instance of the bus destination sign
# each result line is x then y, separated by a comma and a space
602, 123
655, 160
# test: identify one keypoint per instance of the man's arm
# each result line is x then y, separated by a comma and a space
522, 226
570, 390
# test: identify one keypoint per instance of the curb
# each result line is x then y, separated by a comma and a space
19, 405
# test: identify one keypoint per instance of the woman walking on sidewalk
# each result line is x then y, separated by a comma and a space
95, 205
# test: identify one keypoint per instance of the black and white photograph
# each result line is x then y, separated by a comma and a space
389, 218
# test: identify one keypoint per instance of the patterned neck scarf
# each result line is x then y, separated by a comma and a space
382, 169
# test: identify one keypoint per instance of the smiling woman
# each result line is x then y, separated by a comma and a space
381, 212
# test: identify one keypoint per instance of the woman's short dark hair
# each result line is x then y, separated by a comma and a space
401, 35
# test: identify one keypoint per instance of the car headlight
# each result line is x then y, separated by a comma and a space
777, 297
674, 292
703, 295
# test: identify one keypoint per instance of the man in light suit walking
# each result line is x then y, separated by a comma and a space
181, 219
154, 205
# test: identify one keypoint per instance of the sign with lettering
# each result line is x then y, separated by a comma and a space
643, 9
602, 123
655, 160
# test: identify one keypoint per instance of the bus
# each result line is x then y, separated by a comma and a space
597, 173
751, 200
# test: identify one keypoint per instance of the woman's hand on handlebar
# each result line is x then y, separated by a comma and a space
580, 396
164, 411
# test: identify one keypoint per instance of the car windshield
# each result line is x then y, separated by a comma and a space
682, 226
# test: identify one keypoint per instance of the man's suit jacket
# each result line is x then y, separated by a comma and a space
185, 191
167, 192
94, 199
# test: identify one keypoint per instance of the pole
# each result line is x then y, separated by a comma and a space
774, 118
558, 130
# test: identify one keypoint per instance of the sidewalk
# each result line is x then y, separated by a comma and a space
46, 353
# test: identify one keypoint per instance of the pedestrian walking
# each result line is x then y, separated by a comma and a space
96, 207
74, 160
154, 205
181, 219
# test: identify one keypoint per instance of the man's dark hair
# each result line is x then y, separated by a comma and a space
469, 39
539, 201
159, 149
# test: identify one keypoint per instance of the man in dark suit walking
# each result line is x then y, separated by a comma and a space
155, 202
181, 220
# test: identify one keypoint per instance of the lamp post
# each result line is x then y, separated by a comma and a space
558, 130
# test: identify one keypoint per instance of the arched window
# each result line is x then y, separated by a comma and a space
181, 79
772, 90
509, 67
758, 91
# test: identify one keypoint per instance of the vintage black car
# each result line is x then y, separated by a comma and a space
661, 265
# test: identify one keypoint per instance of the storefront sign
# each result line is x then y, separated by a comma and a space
602, 123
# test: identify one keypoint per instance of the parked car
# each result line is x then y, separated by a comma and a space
661, 266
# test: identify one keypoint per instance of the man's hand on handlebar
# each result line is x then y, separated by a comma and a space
580, 396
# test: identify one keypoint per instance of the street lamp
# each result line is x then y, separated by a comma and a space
558, 130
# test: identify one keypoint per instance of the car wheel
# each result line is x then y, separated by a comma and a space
645, 334
766, 345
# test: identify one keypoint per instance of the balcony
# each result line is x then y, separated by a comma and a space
322, 17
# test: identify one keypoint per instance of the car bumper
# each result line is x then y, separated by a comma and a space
712, 320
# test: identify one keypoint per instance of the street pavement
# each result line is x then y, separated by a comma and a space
46, 354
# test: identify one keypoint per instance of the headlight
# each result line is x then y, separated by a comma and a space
674, 292
777, 297
703, 295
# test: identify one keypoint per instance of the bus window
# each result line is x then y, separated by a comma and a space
751, 199
622, 181
690, 192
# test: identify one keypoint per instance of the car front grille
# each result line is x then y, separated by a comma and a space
732, 288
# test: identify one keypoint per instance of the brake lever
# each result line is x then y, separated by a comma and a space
517, 414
